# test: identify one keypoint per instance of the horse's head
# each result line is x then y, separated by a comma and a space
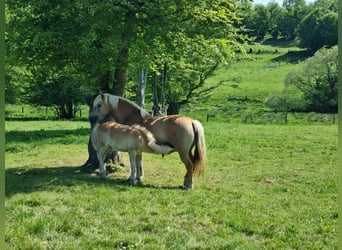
103, 106
121, 109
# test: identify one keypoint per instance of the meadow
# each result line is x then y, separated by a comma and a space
267, 185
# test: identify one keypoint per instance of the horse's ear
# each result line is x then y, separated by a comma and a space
102, 97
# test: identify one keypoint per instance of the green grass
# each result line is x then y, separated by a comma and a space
265, 187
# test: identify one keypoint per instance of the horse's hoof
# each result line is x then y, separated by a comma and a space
185, 187
133, 183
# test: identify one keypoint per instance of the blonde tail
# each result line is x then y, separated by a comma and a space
200, 154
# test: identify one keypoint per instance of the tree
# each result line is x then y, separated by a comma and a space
199, 37
83, 38
276, 15
258, 21
318, 80
45, 45
318, 29
60, 90
285, 101
289, 22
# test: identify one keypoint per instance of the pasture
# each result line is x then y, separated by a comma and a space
267, 186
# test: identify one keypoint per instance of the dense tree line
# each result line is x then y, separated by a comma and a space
314, 24
58, 52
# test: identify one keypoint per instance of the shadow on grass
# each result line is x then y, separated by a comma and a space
294, 56
28, 180
38, 135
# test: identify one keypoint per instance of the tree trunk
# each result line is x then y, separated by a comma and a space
156, 107
120, 72
162, 92
127, 36
92, 163
142, 87
105, 81
173, 108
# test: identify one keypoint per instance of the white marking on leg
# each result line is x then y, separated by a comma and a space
140, 171
132, 156
100, 158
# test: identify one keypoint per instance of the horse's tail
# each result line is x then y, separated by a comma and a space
152, 145
200, 152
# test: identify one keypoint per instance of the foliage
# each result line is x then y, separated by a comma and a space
318, 80
277, 13
315, 25
15, 83
258, 21
265, 187
83, 39
285, 101
319, 29
61, 91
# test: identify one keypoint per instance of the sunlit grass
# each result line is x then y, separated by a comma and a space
265, 186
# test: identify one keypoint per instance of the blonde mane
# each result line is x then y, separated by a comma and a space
113, 100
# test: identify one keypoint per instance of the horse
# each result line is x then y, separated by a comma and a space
184, 134
111, 136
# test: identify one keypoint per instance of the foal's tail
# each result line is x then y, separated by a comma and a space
200, 153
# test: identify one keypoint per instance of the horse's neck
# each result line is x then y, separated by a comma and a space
133, 119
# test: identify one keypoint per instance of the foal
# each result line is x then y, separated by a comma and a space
135, 139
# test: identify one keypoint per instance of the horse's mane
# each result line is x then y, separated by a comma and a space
143, 112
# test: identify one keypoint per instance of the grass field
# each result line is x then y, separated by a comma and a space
267, 185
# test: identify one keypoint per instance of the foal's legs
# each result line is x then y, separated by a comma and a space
132, 160
101, 158
140, 170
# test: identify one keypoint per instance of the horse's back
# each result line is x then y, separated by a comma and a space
174, 129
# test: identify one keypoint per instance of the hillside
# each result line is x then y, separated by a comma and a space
248, 82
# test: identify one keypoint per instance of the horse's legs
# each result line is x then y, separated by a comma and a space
140, 170
132, 160
189, 170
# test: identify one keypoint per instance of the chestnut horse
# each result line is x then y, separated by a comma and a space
111, 136
184, 134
